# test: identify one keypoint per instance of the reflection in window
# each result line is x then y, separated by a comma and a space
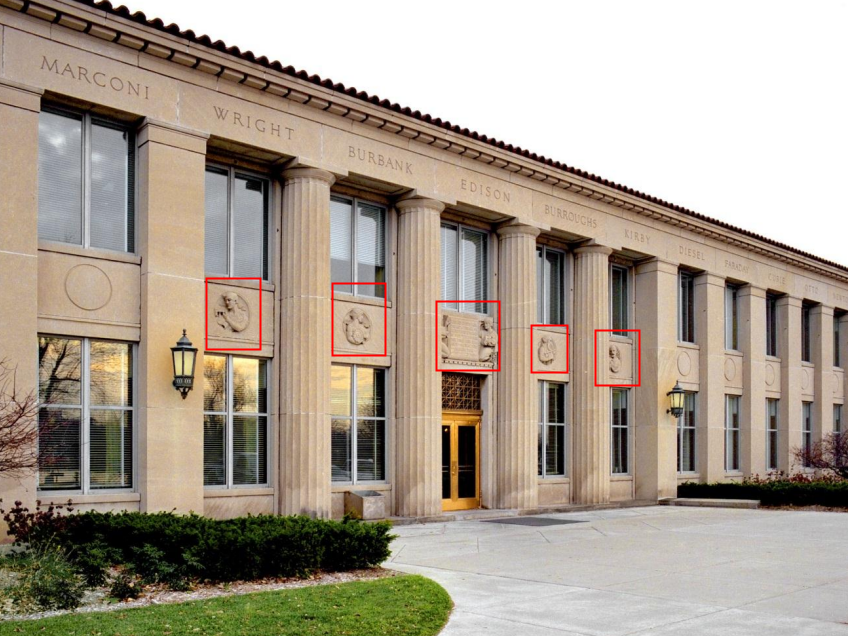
358, 438
551, 429
357, 246
464, 267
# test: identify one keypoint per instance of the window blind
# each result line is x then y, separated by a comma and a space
474, 268
249, 226
450, 265
216, 237
109, 178
60, 161
370, 248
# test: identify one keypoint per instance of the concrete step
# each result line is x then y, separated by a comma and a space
710, 503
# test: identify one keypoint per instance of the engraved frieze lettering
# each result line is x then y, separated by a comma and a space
232, 312
811, 289
840, 297
692, 252
248, 122
637, 236
93, 77
488, 339
736, 267
487, 191
774, 277
571, 216
547, 350
379, 159
357, 327
614, 358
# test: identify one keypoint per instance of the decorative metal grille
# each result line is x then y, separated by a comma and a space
461, 392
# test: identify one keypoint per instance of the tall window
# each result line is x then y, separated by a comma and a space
85, 388
686, 436
620, 432
731, 433
550, 283
837, 418
464, 267
772, 411
357, 246
807, 428
551, 429
358, 442
837, 346
619, 299
236, 238
731, 317
806, 343
771, 325
686, 307
235, 421
86, 181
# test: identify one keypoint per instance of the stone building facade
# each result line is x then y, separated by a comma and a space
382, 301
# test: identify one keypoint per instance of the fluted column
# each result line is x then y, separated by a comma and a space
591, 476
305, 344
419, 385
518, 403
752, 342
822, 345
789, 348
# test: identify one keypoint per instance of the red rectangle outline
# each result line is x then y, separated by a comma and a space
567, 345
639, 331
476, 302
333, 322
206, 318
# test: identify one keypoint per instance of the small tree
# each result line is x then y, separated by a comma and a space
18, 426
829, 455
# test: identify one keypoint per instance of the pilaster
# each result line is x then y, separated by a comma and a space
518, 403
789, 426
752, 341
419, 386
655, 429
171, 171
709, 327
304, 470
591, 426
821, 339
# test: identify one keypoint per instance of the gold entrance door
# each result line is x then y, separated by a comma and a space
460, 461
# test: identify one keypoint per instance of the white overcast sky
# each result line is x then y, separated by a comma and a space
737, 110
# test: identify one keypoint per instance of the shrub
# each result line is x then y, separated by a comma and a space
39, 526
778, 491
125, 587
48, 581
91, 561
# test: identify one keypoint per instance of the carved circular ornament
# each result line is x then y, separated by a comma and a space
357, 327
770, 375
547, 350
614, 358
684, 363
232, 312
805, 379
729, 369
835, 384
88, 287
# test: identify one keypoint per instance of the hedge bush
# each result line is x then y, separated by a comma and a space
778, 492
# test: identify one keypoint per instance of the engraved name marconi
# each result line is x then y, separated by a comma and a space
253, 123
95, 78
379, 159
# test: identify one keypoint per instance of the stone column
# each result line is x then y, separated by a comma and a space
591, 426
843, 350
19, 108
752, 342
304, 470
418, 487
656, 429
518, 402
171, 170
709, 329
821, 340
789, 349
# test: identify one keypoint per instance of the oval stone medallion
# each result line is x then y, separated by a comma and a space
770, 377
729, 369
684, 363
88, 287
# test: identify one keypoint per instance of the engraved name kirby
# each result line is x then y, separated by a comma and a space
95, 78
379, 159
637, 236
253, 123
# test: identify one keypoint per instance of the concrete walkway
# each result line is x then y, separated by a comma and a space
654, 570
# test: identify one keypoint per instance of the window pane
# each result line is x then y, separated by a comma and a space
59, 449
110, 449
214, 382
619, 299
370, 450
250, 450
553, 281
371, 249
340, 390
59, 178
540, 286
556, 403
473, 269
341, 269
214, 469
217, 224
59, 370
110, 187
450, 267
541, 453
340, 450
111, 374
250, 393
370, 392
555, 451
250, 226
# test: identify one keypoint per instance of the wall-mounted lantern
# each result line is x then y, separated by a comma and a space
675, 398
184, 358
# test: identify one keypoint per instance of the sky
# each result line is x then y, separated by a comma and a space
736, 110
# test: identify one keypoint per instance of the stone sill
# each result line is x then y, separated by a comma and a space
237, 492
623, 339
362, 300
621, 478
78, 499
807, 365
688, 345
88, 252
245, 284
688, 477
553, 480
733, 352
772, 359
382, 487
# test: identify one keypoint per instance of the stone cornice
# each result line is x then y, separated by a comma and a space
229, 67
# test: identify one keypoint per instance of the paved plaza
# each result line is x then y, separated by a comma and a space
652, 570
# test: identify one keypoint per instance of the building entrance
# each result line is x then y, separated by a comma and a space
460, 461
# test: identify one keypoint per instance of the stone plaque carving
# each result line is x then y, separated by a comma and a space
684, 363
232, 312
488, 339
357, 327
547, 350
444, 338
88, 287
614, 358
729, 369
805, 379
770, 374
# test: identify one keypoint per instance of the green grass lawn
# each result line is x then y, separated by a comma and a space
402, 605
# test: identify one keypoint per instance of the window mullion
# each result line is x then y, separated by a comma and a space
545, 418
228, 431
86, 180
231, 216
85, 412
353, 255
354, 472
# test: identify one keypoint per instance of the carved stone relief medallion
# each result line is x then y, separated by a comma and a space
488, 339
684, 363
614, 358
770, 375
357, 327
88, 287
729, 369
547, 350
232, 312
444, 338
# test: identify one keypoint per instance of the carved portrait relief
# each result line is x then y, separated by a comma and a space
547, 350
614, 358
232, 312
488, 339
357, 327
444, 338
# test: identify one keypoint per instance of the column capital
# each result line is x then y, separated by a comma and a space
410, 203
752, 290
20, 95
657, 265
155, 131
821, 308
593, 248
790, 301
708, 278
313, 174
514, 228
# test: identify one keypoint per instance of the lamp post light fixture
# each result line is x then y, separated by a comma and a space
675, 397
184, 358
